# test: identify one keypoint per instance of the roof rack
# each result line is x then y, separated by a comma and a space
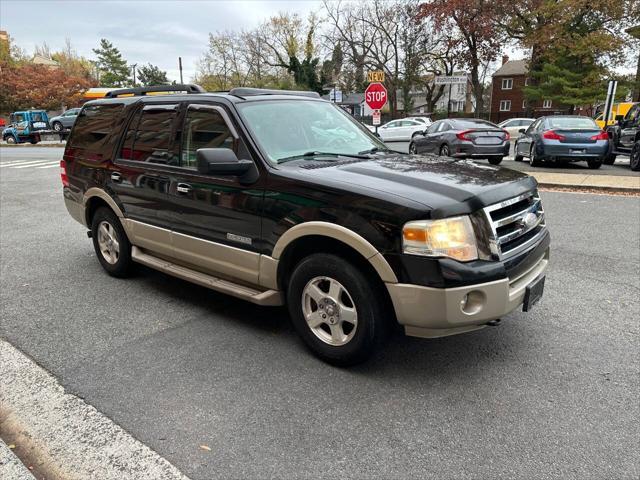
142, 91
248, 92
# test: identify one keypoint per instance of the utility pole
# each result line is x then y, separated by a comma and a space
134, 73
180, 67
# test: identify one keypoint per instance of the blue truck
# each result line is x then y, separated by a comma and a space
28, 126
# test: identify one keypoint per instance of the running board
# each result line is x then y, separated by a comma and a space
265, 298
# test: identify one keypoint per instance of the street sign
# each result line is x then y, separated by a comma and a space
375, 76
376, 117
335, 95
453, 80
375, 96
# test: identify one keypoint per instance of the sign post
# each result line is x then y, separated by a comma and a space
375, 96
608, 104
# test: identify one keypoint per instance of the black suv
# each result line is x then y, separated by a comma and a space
625, 138
280, 197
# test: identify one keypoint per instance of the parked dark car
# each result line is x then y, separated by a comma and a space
281, 198
463, 138
625, 138
563, 138
65, 120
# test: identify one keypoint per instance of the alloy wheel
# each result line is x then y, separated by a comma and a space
444, 151
635, 157
329, 311
108, 242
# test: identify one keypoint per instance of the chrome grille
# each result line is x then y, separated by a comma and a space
516, 224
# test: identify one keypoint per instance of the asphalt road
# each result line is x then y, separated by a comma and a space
549, 394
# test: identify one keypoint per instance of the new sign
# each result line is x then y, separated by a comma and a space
375, 96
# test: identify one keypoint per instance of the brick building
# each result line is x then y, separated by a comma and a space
507, 93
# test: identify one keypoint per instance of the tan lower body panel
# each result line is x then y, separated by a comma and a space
436, 312
267, 298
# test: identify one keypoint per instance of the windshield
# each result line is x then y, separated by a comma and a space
288, 128
572, 122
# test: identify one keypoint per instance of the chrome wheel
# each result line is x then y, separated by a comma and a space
329, 311
108, 242
57, 127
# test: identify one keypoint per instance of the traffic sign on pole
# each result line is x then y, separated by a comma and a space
375, 96
376, 117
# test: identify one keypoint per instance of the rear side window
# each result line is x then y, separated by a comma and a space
94, 126
149, 135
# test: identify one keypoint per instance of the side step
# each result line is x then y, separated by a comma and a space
265, 298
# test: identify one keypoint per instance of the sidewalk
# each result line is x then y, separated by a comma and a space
579, 180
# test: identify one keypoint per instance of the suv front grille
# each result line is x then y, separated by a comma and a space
516, 224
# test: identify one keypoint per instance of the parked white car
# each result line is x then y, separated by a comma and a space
426, 120
514, 125
401, 130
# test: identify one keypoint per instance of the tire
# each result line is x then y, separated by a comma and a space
413, 148
11, 140
57, 126
610, 159
516, 157
534, 160
594, 164
33, 141
444, 150
495, 160
310, 295
105, 230
634, 157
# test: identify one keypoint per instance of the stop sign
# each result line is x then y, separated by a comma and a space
375, 96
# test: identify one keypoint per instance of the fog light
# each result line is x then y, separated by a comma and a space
472, 302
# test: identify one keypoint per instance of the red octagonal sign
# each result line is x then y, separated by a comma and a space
375, 96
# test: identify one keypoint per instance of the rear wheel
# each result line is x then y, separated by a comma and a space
534, 160
57, 126
609, 159
337, 311
33, 141
111, 243
495, 160
444, 150
594, 164
634, 157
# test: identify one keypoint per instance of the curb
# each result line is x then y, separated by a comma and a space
588, 188
62, 436
11, 467
37, 145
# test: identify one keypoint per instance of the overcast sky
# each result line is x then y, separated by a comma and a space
156, 31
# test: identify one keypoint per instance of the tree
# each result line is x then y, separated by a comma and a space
475, 22
152, 75
113, 69
71, 63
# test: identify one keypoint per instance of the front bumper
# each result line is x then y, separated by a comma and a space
438, 312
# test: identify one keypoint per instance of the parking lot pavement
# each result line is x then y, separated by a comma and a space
548, 394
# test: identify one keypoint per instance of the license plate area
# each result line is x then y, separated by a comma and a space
488, 141
533, 294
577, 150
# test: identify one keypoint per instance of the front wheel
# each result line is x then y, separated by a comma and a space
495, 160
634, 157
516, 157
413, 148
111, 243
11, 140
336, 309
57, 126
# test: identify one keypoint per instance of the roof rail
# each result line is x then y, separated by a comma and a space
141, 91
247, 92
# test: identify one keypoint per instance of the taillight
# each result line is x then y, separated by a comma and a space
463, 135
507, 137
552, 135
63, 173
601, 136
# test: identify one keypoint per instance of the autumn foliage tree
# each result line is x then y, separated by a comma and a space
37, 86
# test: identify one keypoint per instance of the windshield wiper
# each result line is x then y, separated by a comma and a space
374, 150
321, 154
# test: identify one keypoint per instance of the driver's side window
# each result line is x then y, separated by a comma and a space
204, 128
433, 127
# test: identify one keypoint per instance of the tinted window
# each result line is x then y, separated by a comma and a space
634, 113
470, 123
148, 137
433, 127
571, 122
444, 126
93, 127
38, 117
203, 128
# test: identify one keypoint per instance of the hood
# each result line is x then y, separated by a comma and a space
444, 185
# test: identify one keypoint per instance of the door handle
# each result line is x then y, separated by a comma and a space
183, 188
116, 177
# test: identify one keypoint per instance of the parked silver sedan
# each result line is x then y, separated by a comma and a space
463, 138
558, 138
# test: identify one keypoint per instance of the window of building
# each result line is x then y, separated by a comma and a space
505, 105
203, 128
546, 104
507, 83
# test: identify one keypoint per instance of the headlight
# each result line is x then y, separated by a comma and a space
450, 237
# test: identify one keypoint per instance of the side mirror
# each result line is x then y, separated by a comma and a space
221, 161
522, 130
